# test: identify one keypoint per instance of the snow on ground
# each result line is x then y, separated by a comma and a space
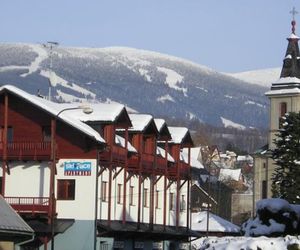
264, 77
230, 124
165, 98
144, 73
172, 79
254, 103
246, 243
57, 80
69, 98
42, 55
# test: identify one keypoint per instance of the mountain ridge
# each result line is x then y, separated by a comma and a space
149, 82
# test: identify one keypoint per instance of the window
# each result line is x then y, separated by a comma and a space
182, 203
171, 205
157, 199
283, 108
145, 201
119, 194
131, 190
264, 190
103, 191
66, 189
46, 131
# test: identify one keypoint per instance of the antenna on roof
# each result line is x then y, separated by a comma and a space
50, 46
294, 13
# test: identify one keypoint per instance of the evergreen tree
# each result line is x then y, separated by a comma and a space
286, 178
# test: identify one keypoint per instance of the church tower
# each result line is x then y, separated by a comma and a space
284, 97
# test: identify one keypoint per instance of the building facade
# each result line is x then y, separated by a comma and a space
284, 97
105, 180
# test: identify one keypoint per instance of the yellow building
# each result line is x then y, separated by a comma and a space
284, 97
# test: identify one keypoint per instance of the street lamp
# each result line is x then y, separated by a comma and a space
86, 110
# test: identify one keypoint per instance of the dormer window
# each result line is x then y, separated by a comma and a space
287, 62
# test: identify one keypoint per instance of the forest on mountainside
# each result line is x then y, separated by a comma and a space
245, 141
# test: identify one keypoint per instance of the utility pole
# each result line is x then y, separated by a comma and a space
50, 46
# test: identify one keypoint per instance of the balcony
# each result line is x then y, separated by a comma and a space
27, 150
30, 205
183, 171
115, 155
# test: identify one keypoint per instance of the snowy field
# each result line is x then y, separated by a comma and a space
246, 243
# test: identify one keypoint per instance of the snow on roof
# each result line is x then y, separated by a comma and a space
193, 161
52, 108
159, 123
139, 121
119, 140
293, 36
195, 152
10, 220
288, 80
178, 134
216, 223
244, 158
101, 111
162, 152
229, 174
284, 91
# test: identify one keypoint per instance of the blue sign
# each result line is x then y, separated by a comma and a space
78, 168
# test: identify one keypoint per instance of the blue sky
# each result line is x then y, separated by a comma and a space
226, 35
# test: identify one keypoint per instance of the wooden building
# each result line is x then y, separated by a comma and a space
94, 181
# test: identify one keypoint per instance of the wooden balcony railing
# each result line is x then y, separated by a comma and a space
33, 205
27, 150
115, 155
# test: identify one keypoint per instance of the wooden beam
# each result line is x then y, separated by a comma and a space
4, 143
169, 185
157, 180
101, 171
182, 184
117, 173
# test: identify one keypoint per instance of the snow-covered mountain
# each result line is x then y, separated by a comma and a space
145, 81
264, 77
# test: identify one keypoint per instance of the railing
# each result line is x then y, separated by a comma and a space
34, 205
115, 155
27, 150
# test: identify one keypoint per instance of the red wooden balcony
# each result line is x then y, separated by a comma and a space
161, 165
27, 150
147, 163
183, 171
115, 155
30, 205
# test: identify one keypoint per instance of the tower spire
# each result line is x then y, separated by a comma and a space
294, 13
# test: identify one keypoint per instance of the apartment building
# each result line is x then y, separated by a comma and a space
103, 179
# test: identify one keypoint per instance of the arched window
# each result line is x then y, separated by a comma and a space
283, 108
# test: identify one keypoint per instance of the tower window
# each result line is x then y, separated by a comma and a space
283, 108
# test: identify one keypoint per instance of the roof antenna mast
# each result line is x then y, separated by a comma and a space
294, 13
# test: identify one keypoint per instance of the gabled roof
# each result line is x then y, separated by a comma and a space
216, 223
102, 112
229, 174
142, 123
164, 133
52, 109
180, 135
10, 221
195, 157
121, 142
160, 151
